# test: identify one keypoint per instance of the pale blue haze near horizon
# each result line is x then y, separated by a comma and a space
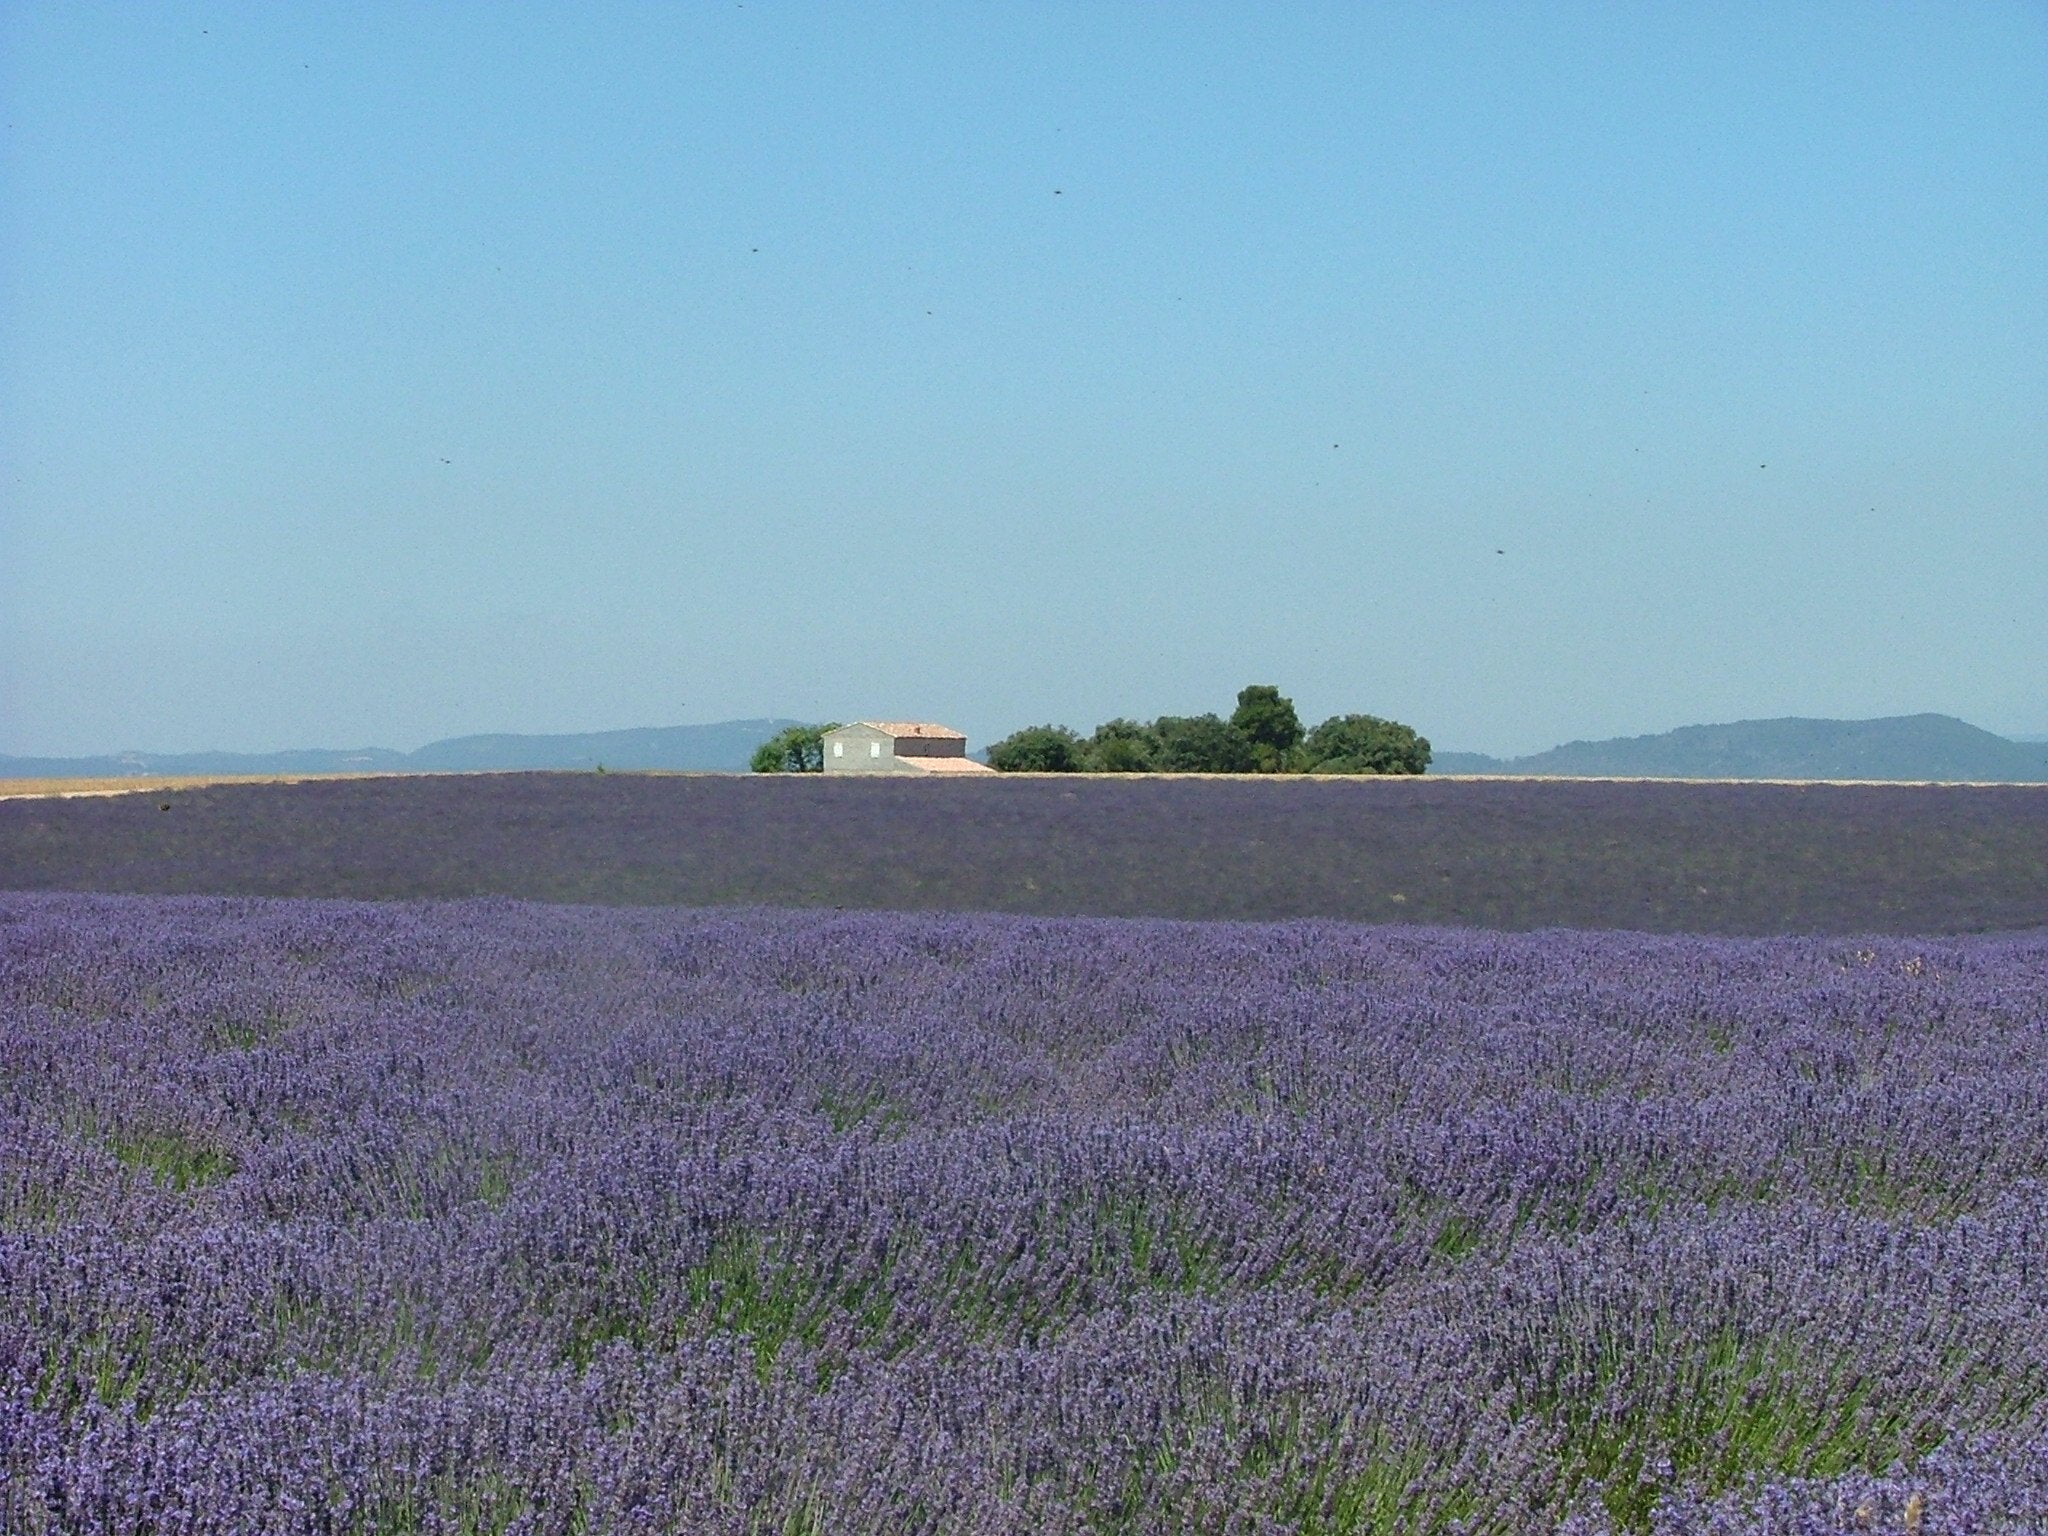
377, 373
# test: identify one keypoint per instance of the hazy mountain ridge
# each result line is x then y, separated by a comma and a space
724, 746
1899, 747
1905, 747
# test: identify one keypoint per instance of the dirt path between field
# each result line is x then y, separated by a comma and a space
144, 783
67, 789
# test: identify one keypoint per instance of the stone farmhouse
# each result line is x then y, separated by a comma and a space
898, 746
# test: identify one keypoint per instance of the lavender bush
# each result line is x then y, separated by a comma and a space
488, 1217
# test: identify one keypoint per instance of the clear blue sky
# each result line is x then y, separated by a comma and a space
374, 373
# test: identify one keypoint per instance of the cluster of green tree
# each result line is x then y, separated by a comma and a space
799, 749
1262, 735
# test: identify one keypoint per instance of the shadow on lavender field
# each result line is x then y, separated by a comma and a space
488, 1217
1661, 857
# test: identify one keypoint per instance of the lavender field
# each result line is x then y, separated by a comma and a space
1660, 857
492, 1217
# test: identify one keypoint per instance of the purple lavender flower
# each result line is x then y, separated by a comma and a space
489, 1217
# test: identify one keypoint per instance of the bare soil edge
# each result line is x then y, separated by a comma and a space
143, 783
66, 789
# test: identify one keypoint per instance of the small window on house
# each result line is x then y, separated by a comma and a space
874, 749
839, 749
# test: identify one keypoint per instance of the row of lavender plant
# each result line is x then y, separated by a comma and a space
1726, 858
486, 1217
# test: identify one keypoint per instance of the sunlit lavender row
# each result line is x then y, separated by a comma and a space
487, 1217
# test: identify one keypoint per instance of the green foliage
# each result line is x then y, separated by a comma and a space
1202, 744
1365, 744
172, 1158
1269, 723
846, 1110
246, 1033
1262, 735
746, 1285
799, 749
1736, 1409
1122, 746
1039, 749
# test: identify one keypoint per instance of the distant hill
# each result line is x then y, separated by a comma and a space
725, 746
1450, 764
1905, 747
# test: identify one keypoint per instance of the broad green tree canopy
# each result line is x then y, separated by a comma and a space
1365, 744
1122, 746
1039, 749
1269, 723
1262, 735
1203, 744
799, 749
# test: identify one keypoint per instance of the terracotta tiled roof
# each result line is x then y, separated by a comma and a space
915, 728
946, 764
